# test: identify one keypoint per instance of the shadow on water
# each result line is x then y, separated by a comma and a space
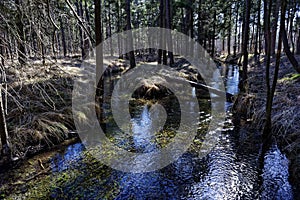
225, 173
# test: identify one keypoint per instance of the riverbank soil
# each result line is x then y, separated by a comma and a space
250, 111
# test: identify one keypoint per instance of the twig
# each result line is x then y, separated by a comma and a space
80, 21
45, 171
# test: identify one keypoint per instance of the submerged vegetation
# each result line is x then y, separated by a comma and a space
254, 45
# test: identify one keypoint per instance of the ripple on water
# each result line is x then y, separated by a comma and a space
275, 176
228, 175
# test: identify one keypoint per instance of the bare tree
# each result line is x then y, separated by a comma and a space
245, 46
21, 34
4, 144
288, 52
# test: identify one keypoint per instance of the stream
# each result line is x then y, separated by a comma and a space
229, 171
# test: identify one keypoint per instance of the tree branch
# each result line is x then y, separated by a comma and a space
80, 21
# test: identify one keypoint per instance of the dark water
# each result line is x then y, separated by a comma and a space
227, 172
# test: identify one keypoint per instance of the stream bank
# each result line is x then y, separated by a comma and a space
249, 111
229, 171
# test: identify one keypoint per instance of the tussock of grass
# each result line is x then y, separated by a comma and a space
39, 110
285, 113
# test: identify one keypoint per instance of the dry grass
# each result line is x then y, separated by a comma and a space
38, 106
285, 113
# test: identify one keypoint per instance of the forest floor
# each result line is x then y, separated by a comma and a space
285, 114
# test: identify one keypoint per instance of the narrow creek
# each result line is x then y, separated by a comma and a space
227, 172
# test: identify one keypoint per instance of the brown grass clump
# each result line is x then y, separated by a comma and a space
285, 113
39, 114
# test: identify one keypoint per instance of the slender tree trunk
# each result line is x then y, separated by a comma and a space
87, 41
81, 33
229, 32
169, 26
267, 127
63, 37
240, 33
99, 59
213, 35
252, 39
257, 29
243, 28
119, 27
274, 26
200, 31
236, 27
110, 32
191, 25
161, 25
267, 131
245, 46
292, 16
298, 43
164, 36
129, 35
63, 34
99, 38
3, 128
2, 51
288, 52
20, 30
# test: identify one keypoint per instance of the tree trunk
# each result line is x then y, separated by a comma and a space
298, 43
99, 38
118, 10
229, 33
81, 33
267, 7
213, 35
274, 26
99, 59
129, 35
87, 41
63, 34
110, 32
20, 30
271, 91
161, 25
257, 29
168, 4
4, 144
191, 26
2, 52
236, 28
200, 23
292, 16
266, 24
288, 52
267, 131
243, 29
245, 46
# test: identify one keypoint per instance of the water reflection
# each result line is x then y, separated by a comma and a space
225, 173
142, 131
68, 158
276, 175
232, 79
